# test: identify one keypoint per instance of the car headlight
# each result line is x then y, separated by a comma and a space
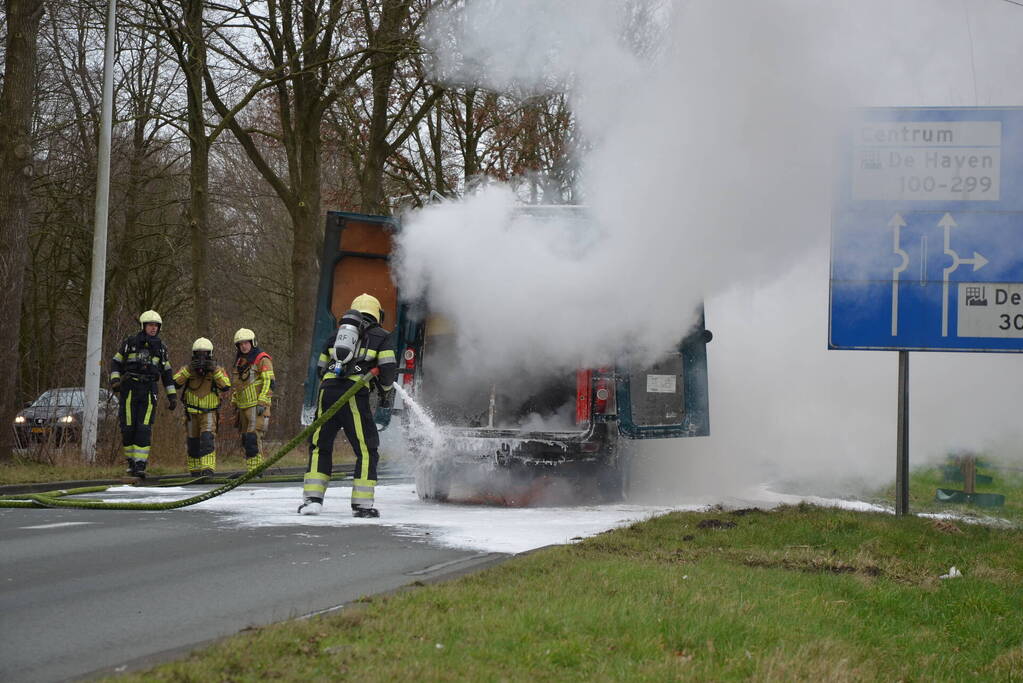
67, 419
20, 420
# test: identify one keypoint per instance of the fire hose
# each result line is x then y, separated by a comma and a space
58, 499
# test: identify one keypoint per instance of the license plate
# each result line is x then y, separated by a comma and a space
39, 430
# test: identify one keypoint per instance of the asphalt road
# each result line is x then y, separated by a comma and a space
89, 590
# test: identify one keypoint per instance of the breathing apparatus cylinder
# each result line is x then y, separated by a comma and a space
348, 333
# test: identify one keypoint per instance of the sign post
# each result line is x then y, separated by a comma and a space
902, 438
927, 240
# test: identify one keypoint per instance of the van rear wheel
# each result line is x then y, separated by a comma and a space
433, 481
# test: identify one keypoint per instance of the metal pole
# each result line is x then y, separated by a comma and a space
902, 447
97, 289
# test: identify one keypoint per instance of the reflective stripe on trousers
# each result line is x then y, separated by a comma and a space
314, 485
355, 419
362, 486
136, 434
362, 493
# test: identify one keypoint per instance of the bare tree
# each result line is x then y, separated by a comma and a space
391, 42
183, 21
528, 141
16, 159
147, 186
307, 71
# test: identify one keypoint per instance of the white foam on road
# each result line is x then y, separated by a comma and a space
471, 527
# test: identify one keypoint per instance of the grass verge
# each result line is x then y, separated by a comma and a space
1006, 479
796, 593
26, 469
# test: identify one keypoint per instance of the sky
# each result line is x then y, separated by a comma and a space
709, 179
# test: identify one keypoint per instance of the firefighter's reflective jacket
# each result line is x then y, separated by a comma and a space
202, 391
255, 372
143, 360
376, 350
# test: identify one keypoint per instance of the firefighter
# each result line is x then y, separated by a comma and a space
252, 396
202, 380
138, 366
359, 345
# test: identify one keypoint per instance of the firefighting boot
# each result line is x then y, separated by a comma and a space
365, 512
208, 465
139, 468
131, 475
253, 462
311, 506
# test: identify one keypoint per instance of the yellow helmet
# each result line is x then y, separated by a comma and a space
202, 344
245, 334
369, 304
150, 317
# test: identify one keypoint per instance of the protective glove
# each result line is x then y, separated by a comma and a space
195, 364
115, 385
172, 402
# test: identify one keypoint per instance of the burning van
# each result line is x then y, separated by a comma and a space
509, 436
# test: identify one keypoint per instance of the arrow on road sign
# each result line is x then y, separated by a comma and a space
896, 224
978, 262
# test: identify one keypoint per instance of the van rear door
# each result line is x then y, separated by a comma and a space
667, 399
355, 259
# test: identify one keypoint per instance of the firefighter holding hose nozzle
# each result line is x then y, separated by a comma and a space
359, 346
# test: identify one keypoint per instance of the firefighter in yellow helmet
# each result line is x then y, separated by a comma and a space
359, 345
252, 395
202, 380
141, 362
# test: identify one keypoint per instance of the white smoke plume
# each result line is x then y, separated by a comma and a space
709, 178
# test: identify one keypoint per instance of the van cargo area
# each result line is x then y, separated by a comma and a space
457, 396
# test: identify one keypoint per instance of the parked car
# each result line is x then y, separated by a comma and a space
510, 430
57, 414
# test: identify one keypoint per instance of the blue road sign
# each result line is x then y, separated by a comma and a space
927, 232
